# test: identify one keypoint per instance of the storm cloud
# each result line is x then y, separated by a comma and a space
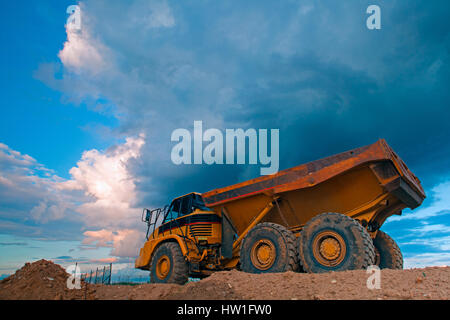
309, 68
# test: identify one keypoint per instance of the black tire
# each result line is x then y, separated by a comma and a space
283, 249
351, 245
178, 270
388, 253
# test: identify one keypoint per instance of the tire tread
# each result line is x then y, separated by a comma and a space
364, 260
289, 238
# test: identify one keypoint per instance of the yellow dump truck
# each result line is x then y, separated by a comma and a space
317, 217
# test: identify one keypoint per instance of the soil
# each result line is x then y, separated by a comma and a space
41, 280
33, 282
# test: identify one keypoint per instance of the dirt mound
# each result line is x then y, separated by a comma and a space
41, 280
422, 284
46, 280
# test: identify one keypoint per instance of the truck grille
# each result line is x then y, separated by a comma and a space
200, 230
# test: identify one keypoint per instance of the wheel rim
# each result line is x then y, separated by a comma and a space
163, 267
329, 248
263, 254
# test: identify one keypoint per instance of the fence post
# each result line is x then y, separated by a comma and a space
110, 273
96, 273
103, 275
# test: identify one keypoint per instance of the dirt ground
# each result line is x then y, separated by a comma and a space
41, 280
46, 280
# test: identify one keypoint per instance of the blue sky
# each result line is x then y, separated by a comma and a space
86, 116
29, 107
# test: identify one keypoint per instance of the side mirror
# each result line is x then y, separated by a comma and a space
147, 214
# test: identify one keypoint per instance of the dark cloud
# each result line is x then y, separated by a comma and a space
63, 257
13, 244
326, 81
310, 68
54, 230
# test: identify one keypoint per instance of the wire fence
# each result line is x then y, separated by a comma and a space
99, 276
130, 279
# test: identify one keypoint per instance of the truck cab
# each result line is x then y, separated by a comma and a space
189, 224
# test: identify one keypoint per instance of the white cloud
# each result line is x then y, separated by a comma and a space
45, 212
125, 242
100, 238
428, 229
427, 237
104, 260
438, 243
128, 244
427, 259
28, 190
82, 52
85, 53
104, 177
12, 160
151, 14
79, 53
101, 191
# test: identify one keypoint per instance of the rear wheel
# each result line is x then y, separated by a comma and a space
335, 242
388, 254
168, 265
269, 247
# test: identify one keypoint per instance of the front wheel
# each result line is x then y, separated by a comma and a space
168, 265
335, 242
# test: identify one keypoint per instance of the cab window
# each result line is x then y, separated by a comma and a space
173, 211
198, 203
186, 207
179, 207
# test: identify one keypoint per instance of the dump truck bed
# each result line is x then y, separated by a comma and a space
315, 172
393, 178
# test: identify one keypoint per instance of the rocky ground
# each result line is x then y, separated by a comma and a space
46, 280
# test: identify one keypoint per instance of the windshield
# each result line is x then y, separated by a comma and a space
184, 206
